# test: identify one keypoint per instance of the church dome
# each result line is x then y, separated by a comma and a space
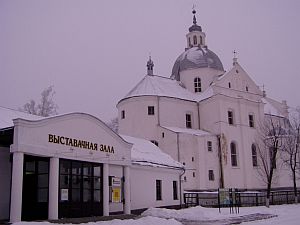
196, 57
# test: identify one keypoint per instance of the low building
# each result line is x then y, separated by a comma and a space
73, 165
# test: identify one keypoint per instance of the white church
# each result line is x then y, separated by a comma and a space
204, 117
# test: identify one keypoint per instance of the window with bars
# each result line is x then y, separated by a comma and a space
254, 155
188, 120
234, 156
197, 84
209, 146
230, 117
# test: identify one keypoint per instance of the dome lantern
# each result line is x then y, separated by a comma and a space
195, 37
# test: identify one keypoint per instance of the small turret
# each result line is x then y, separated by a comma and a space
150, 66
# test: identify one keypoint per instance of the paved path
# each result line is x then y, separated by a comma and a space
229, 221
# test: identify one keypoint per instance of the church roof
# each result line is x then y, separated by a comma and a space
273, 107
166, 87
196, 57
8, 115
145, 153
195, 132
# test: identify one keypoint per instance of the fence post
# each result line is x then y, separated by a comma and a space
256, 199
197, 199
287, 197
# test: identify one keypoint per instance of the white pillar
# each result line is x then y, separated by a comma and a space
16, 187
105, 190
53, 189
127, 205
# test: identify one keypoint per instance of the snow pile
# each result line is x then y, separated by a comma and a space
162, 86
144, 152
195, 213
8, 115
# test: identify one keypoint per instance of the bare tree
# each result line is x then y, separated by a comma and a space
46, 107
114, 124
269, 143
291, 148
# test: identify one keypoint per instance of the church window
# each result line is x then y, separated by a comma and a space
251, 120
154, 142
158, 190
190, 44
247, 89
229, 85
197, 84
195, 39
209, 146
123, 114
211, 175
234, 156
175, 190
193, 159
254, 155
150, 110
194, 174
201, 40
163, 134
230, 117
188, 120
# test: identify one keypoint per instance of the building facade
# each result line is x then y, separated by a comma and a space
204, 117
73, 165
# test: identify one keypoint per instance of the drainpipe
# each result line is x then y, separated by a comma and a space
180, 187
198, 115
221, 181
158, 115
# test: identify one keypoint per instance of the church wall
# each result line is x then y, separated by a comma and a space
137, 122
206, 75
173, 112
143, 191
168, 143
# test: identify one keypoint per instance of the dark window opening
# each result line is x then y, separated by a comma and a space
192, 159
175, 190
251, 120
254, 155
209, 146
123, 114
195, 39
158, 190
194, 174
211, 175
233, 152
154, 142
188, 120
150, 110
197, 84
230, 117
229, 85
163, 134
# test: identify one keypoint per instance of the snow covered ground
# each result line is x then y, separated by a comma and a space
285, 214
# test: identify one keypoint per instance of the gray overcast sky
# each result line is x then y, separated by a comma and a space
94, 52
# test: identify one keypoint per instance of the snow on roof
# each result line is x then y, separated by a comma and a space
162, 86
8, 115
272, 107
188, 131
144, 152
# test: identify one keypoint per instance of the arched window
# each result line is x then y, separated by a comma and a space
190, 44
233, 152
254, 155
195, 39
201, 40
197, 84
229, 84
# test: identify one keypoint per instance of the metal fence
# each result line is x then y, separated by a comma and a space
210, 199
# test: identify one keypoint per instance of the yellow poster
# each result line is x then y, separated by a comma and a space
116, 194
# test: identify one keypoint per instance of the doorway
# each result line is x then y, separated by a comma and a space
35, 188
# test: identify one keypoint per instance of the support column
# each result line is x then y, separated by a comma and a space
16, 187
105, 190
53, 189
127, 206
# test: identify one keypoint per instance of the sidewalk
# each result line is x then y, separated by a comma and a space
229, 221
